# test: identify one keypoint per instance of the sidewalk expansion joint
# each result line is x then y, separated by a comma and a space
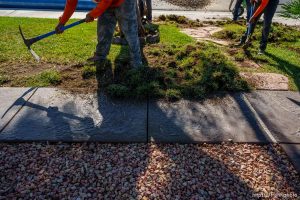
259, 120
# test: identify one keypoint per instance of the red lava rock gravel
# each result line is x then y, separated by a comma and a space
145, 171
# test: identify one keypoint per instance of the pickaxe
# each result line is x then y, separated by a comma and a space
31, 41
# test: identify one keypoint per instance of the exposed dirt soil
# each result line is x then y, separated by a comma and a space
17, 70
71, 75
73, 81
266, 81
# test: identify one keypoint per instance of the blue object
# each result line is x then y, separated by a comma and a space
45, 4
251, 14
38, 38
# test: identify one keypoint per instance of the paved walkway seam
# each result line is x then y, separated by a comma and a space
259, 120
2, 129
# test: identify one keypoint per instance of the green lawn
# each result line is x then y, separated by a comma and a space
176, 67
282, 55
75, 45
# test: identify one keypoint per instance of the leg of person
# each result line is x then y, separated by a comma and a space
236, 9
248, 8
141, 7
127, 18
268, 16
105, 30
149, 9
250, 28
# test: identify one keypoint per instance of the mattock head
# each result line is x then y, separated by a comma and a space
28, 44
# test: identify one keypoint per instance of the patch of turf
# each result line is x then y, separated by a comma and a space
279, 33
191, 71
181, 20
46, 78
173, 94
239, 56
230, 32
170, 35
118, 90
3, 79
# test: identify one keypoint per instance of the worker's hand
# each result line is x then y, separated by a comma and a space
59, 28
89, 18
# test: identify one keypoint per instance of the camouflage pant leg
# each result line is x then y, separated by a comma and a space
105, 30
127, 19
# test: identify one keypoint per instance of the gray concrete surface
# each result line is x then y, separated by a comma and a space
293, 152
201, 15
11, 101
54, 115
280, 111
214, 120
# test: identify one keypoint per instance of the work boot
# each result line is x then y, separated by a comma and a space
93, 59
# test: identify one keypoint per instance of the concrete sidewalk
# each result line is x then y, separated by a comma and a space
49, 114
201, 15
58, 115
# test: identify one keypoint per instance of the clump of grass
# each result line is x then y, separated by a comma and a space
181, 20
230, 32
174, 18
192, 71
279, 33
173, 94
162, 18
46, 78
3, 79
155, 52
283, 33
88, 72
118, 90
151, 28
239, 56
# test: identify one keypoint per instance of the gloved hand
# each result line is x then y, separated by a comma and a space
89, 18
58, 28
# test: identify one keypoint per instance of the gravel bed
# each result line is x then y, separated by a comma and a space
145, 171
190, 4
